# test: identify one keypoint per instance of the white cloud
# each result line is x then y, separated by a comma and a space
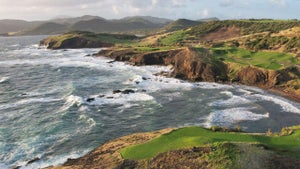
115, 9
205, 13
154, 2
174, 9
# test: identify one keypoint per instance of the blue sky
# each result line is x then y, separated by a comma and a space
173, 9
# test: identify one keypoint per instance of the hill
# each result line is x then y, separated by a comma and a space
73, 20
10, 25
180, 24
101, 25
47, 28
83, 23
152, 19
195, 147
81, 39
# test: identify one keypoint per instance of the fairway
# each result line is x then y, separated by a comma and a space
263, 59
197, 136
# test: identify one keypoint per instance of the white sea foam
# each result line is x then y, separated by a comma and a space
3, 79
90, 121
28, 101
156, 83
209, 85
246, 92
72, 58
283, 103
228, 93
232, 115
233, 101
70, 101
56, 160
122, 99
83, 108
3, 166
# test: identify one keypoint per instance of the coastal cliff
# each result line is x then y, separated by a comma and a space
188, 63
279, 71
206, 61
108, 155
81, 39
125, 152
191, 64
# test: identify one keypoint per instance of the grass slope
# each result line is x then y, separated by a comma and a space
196, 136
262, 59
94, 37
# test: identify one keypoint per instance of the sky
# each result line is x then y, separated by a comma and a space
172, 9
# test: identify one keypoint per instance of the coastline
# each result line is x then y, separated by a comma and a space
141, 59
285, 94
186, 72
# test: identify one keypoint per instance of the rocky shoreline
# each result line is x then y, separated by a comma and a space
108, 155
189, 64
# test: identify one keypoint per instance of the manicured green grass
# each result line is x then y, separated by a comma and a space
151, 49
101, 37
112, 38
196, 136
173, 38
263, 59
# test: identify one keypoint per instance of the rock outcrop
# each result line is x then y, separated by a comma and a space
108, 155
187, 63
73, 43
77, 41
190, 64
254, 76
247, 155
81, 39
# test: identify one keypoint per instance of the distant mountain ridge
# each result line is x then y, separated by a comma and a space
88, 23
73, 20
82, 23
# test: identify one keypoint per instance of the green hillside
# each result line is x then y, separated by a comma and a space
196, 136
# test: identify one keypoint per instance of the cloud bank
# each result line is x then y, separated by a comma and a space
174, 9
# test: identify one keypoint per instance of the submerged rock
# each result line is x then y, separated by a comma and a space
117, 91
128, 91
33, 160
90, 99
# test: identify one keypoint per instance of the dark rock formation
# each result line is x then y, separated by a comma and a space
90, 99
128, 91
107, 155
117, 91
191, 65
33, 160
251, 76
188, 63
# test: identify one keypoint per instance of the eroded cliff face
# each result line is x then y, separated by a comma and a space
190, 64
108, 155
254, 76
187, 63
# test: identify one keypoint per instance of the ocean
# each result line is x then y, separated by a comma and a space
60, 104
